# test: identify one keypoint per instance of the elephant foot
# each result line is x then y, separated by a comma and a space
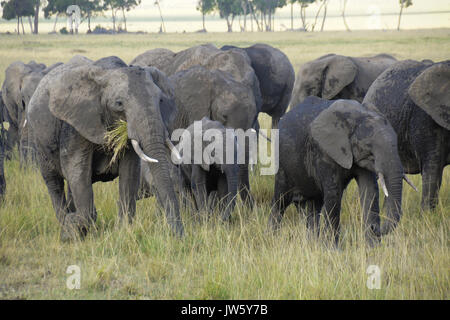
75, 227
373, 235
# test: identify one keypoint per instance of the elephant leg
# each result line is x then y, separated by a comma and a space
244, 186
281, 200
331, 211
225, 202
313, 208
431, 183
198, 185
76, 163
70, 203
55, 187
129, 170
369, 193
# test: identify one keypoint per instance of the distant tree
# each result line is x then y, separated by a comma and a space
88, 8
16, 9
205, 7
228, 10
267, 10
126, 5
163, 27
303, 5
403, 5
343, 6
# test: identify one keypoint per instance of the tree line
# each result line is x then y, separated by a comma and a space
251, 14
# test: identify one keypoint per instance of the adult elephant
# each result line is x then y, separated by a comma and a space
215, 177
200, 92
324, 144
415, 98
339, 77
276, 77
159, 58
235, 62
71, 112
20, 83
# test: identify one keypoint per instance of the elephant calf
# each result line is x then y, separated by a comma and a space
215, 177
323, 145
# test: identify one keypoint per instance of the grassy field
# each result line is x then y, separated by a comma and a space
217, 261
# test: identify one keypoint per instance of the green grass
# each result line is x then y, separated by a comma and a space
217, 261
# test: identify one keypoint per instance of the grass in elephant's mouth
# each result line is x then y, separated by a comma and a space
117, 139
214, 260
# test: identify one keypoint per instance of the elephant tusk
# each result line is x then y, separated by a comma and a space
410, 183
141, 153
265, 137
383, 184
173, 149
24, 123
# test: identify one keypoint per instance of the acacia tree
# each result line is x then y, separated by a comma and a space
344, 5
205, 7
228, 10
267, 10
88, 9
403, 5
303, 5
16, 9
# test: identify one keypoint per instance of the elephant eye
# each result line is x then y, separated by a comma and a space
119, 103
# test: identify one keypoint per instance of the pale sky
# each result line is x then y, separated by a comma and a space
187, 7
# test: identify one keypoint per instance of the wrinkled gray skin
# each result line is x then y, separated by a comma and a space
200, 92
339, 77
324, 145
213, 181
276, 77
70, 112
237, 64
415, 98
20, 83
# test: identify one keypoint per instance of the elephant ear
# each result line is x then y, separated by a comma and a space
331, 131
339, 72
431, 92
76, 99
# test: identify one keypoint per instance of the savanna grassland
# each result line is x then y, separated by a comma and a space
214, 260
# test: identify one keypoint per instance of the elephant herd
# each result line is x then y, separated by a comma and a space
372, 119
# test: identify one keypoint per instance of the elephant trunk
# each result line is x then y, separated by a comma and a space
164, 187
148, 138
390, 178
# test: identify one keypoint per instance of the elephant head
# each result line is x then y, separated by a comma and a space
431, 92
92, 98
352, 134
324, 77
200, 92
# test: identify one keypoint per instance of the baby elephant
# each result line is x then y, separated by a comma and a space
323, 145
212, 171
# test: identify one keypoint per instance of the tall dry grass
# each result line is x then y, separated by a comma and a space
216, 260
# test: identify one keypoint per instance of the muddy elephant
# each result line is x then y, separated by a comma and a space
276, 77
213, 178
235, 62
20, 83
71, 111
324, 144
339, 77
200, 92
415, 98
